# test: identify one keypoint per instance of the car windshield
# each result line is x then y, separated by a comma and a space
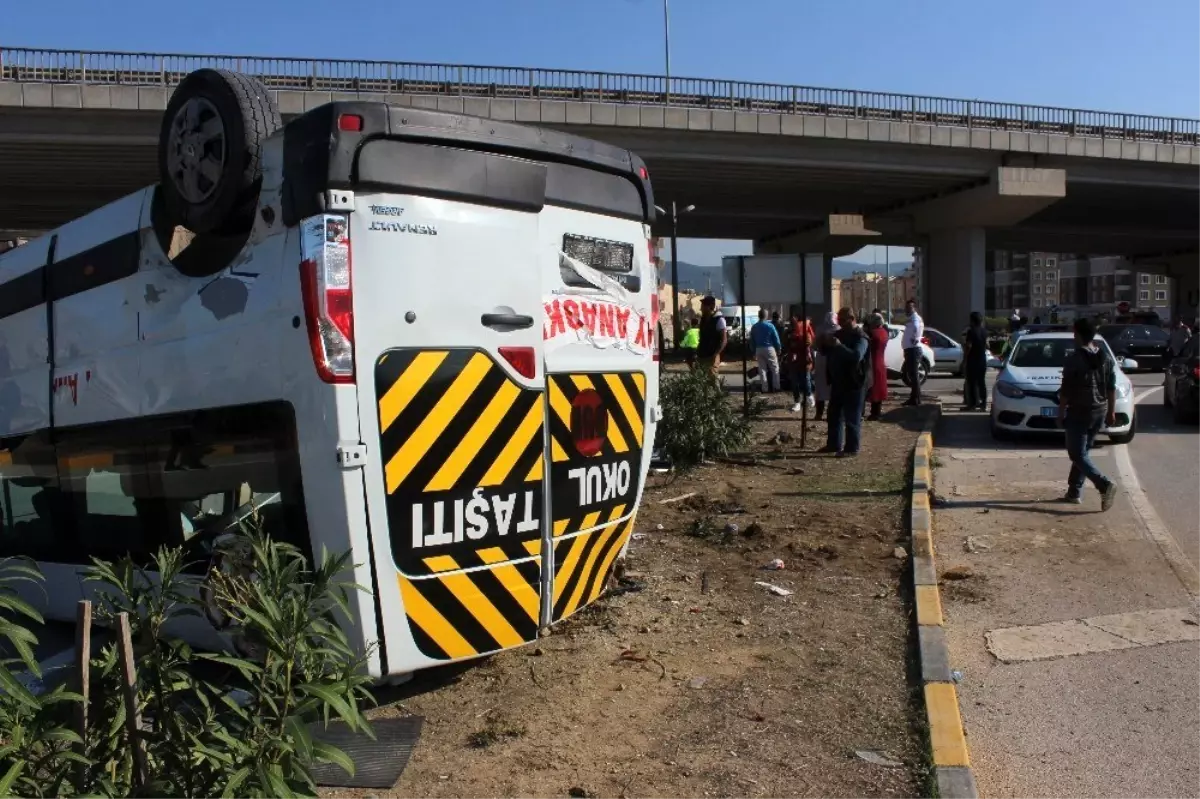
1046, 353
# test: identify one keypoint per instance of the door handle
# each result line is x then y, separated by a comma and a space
514, 320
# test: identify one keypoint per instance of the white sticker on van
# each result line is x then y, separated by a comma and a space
603, 324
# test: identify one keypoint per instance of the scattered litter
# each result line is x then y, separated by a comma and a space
697, 682
829, 551
774, 589
638, 536
956, 675
878, 758
679, 498
731, 529
752, 529
900, 553
744, 621
775, 565
976, 544
658, 527
958, 573
782, 437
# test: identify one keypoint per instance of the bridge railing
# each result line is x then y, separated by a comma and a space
464, 80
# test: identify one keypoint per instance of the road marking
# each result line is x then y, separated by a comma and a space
1138, 398
1059, 639
1153, 526
1010, 455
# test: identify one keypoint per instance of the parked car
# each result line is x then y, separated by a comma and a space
1181, 388
947, 353
893, 356
1025, 395
1147, 343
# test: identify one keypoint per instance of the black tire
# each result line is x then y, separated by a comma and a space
210, 150
999, 433
922, 374
1166, 396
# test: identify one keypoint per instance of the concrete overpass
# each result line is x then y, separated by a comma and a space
793, 168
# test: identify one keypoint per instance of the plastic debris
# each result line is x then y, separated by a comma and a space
878, 758
900, 553
774, 589
956, 675
776, 565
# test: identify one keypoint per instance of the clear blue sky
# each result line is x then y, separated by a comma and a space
1136, 56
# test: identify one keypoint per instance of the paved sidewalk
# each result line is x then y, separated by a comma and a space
1076, 638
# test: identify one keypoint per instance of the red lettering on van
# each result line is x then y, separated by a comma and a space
554, 320
589, 316
606, 314
572, 311
623, 322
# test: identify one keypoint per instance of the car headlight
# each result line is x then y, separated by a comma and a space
1009, 390
1124, 389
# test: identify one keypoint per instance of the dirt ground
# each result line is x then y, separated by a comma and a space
695, 680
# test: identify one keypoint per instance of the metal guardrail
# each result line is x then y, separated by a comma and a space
305, 74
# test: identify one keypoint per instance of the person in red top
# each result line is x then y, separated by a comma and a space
877, 340
800, 362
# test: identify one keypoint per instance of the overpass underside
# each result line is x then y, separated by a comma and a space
825, 193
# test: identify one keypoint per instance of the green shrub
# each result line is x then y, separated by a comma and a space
212, 724
698, 421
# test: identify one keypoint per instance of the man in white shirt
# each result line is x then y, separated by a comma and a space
914, 329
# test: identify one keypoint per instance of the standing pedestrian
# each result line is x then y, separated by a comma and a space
1087, 402
975, 356
714, 336
820, 373
800, 362
1180, 336
914, 329
877, 339
848, 365
765, 340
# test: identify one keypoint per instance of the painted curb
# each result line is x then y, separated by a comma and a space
947, 738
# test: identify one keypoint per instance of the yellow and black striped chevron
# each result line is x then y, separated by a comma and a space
461, 450
585, 488
583, 563
459, 614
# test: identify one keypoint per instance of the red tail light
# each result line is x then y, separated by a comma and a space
350, 122
328, 295
522, 359
925, 340
1196, 372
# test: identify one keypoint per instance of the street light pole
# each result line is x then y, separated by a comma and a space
677, 329
667, 44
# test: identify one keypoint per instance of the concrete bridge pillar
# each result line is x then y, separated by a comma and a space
954, 277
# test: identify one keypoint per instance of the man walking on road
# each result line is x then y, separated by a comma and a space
765, 340
847, 362
1087, 402
914, 329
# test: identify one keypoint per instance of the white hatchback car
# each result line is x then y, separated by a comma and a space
893, 356
1025, 396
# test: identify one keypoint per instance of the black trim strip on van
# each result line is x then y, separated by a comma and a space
105, 263
319, 153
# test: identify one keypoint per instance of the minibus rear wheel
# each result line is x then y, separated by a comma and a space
210, 150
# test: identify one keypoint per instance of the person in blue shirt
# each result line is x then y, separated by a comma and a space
765, 340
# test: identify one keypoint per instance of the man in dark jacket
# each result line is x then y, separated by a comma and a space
1087, 402
847, 366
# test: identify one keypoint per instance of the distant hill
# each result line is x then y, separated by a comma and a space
709, 278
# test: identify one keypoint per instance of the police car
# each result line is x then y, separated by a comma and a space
1025, 394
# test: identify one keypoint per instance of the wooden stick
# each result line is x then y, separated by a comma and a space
688, 495
83, 662
133, 719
